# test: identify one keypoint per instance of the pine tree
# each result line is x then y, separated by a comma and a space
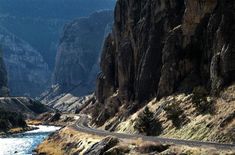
147, 124
200, 101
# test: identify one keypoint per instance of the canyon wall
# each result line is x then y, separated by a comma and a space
161, 47
79, 51
40, 23
28, 74
33, 29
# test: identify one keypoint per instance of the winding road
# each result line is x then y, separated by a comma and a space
82, 125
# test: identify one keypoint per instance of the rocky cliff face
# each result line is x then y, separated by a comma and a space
78, 52
28, 74
160, 47
201, 50
45, 24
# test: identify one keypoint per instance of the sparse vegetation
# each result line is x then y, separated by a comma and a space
95, 110
228, 119
201, 101
147, 124
231, 135
102, 112
227, 137
175, 114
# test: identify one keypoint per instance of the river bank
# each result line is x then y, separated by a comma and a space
16, 131
70, 141
26, 142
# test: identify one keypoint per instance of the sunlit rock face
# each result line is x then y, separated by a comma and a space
160, 47
28, 74
79, 51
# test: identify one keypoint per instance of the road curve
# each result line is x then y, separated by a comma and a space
82, 125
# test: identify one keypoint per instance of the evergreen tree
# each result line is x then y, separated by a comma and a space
147, 124
175, 114
200, 101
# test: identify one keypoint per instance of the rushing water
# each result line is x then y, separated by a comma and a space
25, 143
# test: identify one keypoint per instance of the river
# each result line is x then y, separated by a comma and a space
25, 143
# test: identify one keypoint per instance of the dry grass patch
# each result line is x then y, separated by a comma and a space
199, 126
34, 122
184, 150
67, 141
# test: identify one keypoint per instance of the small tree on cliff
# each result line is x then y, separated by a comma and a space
147, 124
201, 102
175, 114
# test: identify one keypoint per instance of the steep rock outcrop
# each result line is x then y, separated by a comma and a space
160, 47
102, 146
28, 74
138, 38
79, 51
201, 52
